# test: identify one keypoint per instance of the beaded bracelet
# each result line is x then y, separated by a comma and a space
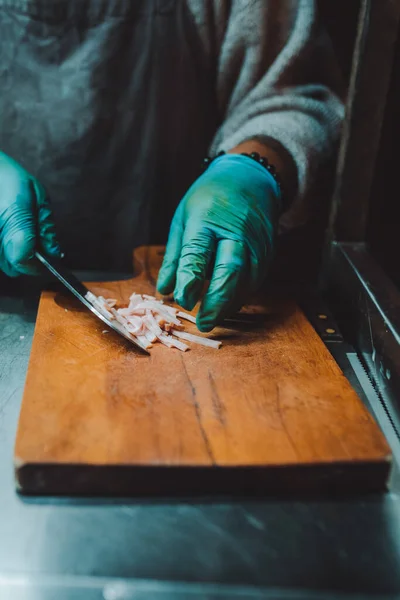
262, 160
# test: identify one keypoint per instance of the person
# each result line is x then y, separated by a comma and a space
107, 109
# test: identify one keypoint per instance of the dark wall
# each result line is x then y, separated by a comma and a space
340, 19
384, 218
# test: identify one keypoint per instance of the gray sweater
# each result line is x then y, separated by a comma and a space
113, 103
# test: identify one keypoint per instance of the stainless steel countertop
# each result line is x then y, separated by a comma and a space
337, 545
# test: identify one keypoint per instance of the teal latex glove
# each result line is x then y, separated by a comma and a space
25, 220
227, 221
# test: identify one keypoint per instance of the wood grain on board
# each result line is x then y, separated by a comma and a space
269, 411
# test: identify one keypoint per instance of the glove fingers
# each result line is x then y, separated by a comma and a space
19, 232
230, 273
198, 250
167, 275
46, 227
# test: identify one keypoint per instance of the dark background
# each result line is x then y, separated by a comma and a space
301, 251
383, 236
384, 220
340, 19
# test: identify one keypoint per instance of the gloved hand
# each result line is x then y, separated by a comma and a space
25, 220
226, 222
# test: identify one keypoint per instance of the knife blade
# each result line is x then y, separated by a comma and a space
81, 292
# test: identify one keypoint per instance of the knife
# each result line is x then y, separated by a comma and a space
81, 292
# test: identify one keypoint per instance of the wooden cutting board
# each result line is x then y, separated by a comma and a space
270, 411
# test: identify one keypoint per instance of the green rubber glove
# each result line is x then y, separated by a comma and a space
26, 220
226, 222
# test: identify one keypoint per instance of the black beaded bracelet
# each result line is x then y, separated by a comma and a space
262, 160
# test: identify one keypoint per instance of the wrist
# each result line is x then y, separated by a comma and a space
278, 156
262, 171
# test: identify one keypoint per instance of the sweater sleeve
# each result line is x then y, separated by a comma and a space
277, 78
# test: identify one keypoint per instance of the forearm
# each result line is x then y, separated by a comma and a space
285, 105
276, 155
